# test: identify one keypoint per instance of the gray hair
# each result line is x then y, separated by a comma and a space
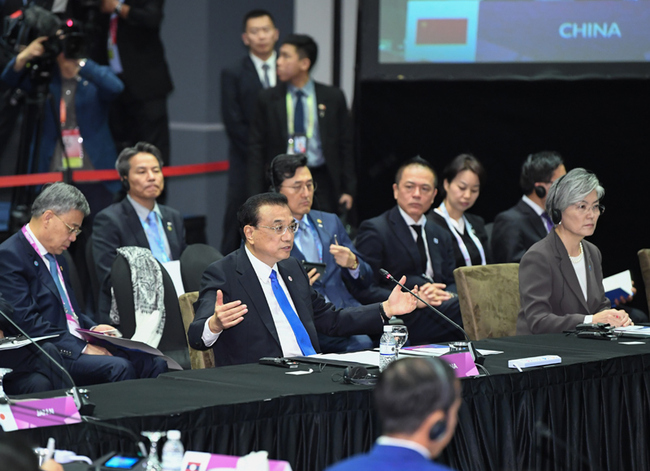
60, 198
571, 189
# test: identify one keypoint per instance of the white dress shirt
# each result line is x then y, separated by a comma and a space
422, 222
258, 63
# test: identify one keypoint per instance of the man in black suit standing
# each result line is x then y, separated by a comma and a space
300, 116
240, 86
136, 54
402, 241
258, 302
527, 222
138, 220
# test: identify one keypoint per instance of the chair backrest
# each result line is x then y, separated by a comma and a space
194, 260
489, 299
92, 272
173, 342
199, 359
644, 261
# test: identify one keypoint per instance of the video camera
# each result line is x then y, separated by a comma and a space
25, 25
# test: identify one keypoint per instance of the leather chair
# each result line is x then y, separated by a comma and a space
173, 342
194, 260
489, 299
644, 261
198, 358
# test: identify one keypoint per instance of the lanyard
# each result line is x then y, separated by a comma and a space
310, 117
442, 210
72, 317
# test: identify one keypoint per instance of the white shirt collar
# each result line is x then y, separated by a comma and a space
143, 212
409, 220
533, 205
391, 441
258, 63
41, 248
262, 270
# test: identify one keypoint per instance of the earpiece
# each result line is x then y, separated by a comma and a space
358, 375
438, 430
125, 184
540, 191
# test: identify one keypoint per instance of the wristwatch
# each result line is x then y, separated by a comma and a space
356, 263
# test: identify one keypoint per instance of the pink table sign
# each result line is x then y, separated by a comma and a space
33, 413
462, 364
198, 461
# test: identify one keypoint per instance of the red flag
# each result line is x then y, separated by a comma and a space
442, 31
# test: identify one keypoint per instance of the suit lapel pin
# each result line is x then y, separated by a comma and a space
320, 223
35, 263
169, 226
435, 240
321, 110
290, 279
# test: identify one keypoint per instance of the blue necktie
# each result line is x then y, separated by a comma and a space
296, 324
55, 274
307, 243
547, 221
299, 114
155, 241
267, 82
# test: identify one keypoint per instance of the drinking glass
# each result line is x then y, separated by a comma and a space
153, 463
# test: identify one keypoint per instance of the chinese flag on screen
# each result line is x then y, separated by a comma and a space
442, 31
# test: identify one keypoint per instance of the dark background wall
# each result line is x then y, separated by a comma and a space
601, 125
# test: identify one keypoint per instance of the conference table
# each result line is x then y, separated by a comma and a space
590, 412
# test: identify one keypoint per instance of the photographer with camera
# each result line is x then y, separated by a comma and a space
74, 132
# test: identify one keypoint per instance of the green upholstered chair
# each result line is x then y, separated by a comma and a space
489, 299
199, 359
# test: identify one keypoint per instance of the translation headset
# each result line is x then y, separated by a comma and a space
439, 429
359, 375
125, 184
539, 190
556, 214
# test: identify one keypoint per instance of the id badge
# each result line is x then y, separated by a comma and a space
297, 144
72, 141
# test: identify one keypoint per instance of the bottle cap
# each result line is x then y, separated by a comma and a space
173, 435
388, 328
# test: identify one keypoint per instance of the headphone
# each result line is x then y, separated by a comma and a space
125, 183
540, 191
359, 375
556, 214
438, 430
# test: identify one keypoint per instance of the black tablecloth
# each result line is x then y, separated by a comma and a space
594, 407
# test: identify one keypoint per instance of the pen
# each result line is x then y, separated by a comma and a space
336, 240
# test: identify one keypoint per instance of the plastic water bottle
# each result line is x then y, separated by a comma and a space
387, 348
172, 452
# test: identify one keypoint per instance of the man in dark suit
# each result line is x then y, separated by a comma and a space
321, 238
417, 401
527, 222
136, 54
303, 116
402, 241
34, 278
258, 302
137, 220
240, 86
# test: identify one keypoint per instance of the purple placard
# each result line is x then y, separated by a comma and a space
462, 364
34, 413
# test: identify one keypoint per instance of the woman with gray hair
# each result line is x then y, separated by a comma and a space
561, 277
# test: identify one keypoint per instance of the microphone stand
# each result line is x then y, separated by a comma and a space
84, 406
476, 356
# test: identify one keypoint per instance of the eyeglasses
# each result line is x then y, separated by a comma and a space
71, 230
583, 208
311, 186
281, 230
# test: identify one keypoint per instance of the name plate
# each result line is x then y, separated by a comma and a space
462, 364
33, 413
197, 461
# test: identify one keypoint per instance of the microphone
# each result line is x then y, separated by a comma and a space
84, 406
476, 356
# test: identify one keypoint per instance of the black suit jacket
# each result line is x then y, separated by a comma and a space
514, 232
256, 336
478, 225
269, 134
146, 74
119, 226
386, 242
551, 297
240, 87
